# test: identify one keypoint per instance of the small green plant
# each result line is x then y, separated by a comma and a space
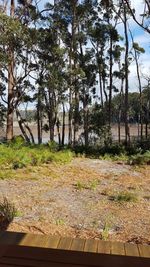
93, 184
7, 211
60, 222
105, 231
80, 185
18, 213
125, 197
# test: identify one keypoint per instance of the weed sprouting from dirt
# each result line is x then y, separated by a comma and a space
124, 197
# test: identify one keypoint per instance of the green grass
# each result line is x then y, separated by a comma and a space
79, 185
105, 232
125, 197
14, 157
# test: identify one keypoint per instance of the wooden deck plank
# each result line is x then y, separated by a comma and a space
34, 240
22, 262
104, 247
71, 258
53, 241
11, 238
91, 245
144, 251
65, 243
131, 249
78, 244
29, 240
2, 250
117, 248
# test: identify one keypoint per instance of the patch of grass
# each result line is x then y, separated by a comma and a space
140, 159
18, 213
124, 197
79, 186
6, 174
60, 222
106, 157
105, 232
14, 157
121, 157
93, 184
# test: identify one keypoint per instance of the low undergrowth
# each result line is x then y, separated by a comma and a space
15, 157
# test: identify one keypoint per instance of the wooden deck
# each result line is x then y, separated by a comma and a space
22, 250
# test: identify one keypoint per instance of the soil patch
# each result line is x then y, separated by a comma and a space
81, 199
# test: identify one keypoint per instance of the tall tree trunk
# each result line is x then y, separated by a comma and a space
24, 126
86, 120
72, 63
127, 132
110, 82
58, 131
39, 118
20, 122
10, 108
140, 91
140, 86
120, 111
63, 125
76, 117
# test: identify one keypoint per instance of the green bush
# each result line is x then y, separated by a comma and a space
17, 141
140, 159
53, 146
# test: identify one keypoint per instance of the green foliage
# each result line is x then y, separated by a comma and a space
5, 174
140, 159
14, 158
80, 186
125, 197
53, 146
17, 141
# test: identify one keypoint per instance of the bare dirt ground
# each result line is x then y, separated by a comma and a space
77, 200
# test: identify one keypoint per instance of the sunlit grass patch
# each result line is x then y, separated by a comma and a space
12, 157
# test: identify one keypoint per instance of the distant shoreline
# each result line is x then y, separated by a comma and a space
33, 126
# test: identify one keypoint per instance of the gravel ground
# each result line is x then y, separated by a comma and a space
80, 200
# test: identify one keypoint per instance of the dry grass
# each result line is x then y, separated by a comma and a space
51, 202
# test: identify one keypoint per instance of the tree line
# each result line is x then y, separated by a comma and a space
69, 61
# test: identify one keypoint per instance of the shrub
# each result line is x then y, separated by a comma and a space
53, 146
140, 159
17, 141
7, 211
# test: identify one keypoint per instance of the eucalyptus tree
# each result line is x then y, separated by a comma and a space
16, 45
137, 50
